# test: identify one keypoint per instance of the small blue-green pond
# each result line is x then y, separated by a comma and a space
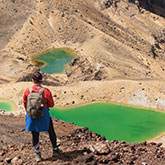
53, 60
115, 121
7, 105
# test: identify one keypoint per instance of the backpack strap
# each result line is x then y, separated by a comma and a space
31, 90
41, 91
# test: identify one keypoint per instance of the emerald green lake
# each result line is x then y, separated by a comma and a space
7, 105
53, 60
115, 122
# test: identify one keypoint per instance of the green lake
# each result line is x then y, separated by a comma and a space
114, 121
53, 60
7, 105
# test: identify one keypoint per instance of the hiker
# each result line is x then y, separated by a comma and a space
44, 123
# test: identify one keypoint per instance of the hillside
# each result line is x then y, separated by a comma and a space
116, 44
127, 43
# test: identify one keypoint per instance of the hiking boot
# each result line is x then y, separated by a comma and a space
56, 151
38, 157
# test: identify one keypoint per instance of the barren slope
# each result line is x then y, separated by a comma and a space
120, 50
119, 38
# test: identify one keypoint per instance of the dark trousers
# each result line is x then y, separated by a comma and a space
52, 136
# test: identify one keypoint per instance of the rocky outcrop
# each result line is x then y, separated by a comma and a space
158, 49
83, 70
48, 79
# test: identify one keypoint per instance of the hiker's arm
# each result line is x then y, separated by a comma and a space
50, 99
25, 97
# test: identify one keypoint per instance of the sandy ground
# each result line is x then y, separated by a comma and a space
160, 139
147, 94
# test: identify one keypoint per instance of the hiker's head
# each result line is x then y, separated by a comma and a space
37, 77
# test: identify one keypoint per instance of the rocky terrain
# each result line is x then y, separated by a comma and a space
120, 52
77, 145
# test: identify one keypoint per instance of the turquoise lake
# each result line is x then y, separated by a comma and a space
53, 60
7, 105
115, 121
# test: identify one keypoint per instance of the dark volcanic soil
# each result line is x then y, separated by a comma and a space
78, 145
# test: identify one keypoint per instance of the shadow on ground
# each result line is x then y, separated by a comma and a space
67, 156
154, 6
